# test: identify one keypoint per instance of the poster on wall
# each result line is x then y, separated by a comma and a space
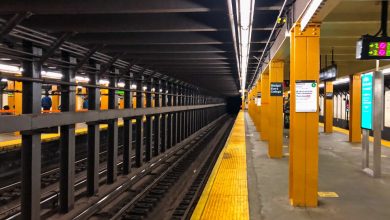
306, 96
367, 102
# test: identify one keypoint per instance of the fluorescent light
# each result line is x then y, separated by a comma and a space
5, 59
341, 81
104, 82
310, 11
134, 86
82, 79
4, 80
52, 67
121, 84
321, 85
386, 71
10, 69
246, 8
51, 75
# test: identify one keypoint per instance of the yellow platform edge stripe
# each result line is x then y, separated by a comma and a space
345, 131
48, 137
217, 191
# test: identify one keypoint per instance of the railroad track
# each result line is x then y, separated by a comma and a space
148, 176
10, 194
171, 189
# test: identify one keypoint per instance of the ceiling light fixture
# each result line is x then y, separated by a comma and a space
51, 75
82, 79
341, 81
246, 8
121, 84
10, 69
311, 10
104, 82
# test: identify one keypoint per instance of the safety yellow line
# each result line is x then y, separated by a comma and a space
46, 137
226, 193
345, 131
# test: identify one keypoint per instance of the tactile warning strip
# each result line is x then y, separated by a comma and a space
226, 193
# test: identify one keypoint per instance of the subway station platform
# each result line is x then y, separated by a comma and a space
345, 191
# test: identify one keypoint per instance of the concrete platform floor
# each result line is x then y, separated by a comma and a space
360, 196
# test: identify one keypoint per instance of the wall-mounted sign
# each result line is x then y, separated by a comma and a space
306, 96
276, 89
367, 100
328, 73
329, 95
258, 99
373, 48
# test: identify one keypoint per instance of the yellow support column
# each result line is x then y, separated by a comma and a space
55, 98
328, 107
303, 170
103, 99
275, 144
264, 136
355, 109
259, 108
257, 112
15, 100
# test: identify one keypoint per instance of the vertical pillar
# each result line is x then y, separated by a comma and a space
104, 99
304, 61
55, 98
112, 147
275, 144
264, 115
93, 137
355, 97
328, 107
31, 141
257, 112
379, 91
149, 122
139, 146
67, 139
183, 113
157, 119
179, 114
128, 130
170, 117
175, 115
164, 129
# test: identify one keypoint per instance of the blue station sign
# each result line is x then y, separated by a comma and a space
367, 100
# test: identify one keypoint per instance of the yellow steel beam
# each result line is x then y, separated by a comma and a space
275, 144
103, 99
303, 170
328, 108
258, 108
264, 136
355, 109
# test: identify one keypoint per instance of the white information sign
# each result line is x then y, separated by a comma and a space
306, 96
258, 99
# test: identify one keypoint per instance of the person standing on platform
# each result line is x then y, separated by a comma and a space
46, 102
85, 103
